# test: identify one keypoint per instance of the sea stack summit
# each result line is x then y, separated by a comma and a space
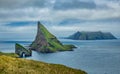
46, 42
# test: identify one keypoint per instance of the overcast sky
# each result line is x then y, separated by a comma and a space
18, 18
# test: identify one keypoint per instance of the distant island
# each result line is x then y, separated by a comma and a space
46, 42
91, 36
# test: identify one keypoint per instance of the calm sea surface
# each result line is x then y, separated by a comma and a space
95, 57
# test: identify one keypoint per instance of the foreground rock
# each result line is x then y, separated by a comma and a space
10, 65
22, 51
46, 42
91, 36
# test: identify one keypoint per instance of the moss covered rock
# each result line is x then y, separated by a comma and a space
46, 42
22, 51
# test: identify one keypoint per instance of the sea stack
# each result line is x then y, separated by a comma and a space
46, 42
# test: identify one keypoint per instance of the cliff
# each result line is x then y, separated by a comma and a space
46, 42
91, 36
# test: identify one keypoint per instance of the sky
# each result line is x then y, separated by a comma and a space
18, 18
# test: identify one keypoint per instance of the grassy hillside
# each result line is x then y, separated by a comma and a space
9, 54
11, 65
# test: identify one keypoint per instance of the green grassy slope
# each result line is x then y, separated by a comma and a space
10, 65
9, 54
54, 43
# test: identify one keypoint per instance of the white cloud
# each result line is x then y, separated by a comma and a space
17, 29
32, 13
26, 32
45, 14
35, 13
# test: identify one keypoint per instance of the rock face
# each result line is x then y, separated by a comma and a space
91, 36
22, 51
46, 42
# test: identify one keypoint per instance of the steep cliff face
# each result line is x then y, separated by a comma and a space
46, 42
91, 36
40, 41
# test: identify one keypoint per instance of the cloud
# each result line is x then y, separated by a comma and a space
108, 3
28, 28
61, 17
25, 14
58, 10
74, 4
22, 32
13, 4
47, 14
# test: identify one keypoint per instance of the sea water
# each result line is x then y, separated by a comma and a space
92, 56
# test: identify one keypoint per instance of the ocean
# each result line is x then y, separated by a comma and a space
92, 56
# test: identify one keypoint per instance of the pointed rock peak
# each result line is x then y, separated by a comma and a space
40, 27
78, 32
46, 42
39, 23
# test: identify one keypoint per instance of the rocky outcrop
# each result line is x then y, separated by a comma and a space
46, 42
91, 36
22, 51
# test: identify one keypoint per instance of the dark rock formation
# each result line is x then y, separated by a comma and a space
22, 51
91, 36
46, 42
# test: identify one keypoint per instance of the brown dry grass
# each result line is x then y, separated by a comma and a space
10, 65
